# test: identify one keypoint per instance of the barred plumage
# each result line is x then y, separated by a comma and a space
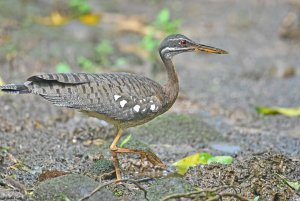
15, 89
95, 93
122, 99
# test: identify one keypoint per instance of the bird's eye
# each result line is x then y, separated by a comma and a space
182, 42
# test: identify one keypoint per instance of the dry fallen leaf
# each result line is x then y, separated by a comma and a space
55, 19
134, 49
96, 142
90, 18
18, 164
1, 84
48, 174
134, 24
4, 38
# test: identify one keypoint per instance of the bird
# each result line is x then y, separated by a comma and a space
122, 99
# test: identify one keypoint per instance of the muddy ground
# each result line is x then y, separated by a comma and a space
215, 111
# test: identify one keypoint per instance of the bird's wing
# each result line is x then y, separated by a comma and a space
119, 96
67, 78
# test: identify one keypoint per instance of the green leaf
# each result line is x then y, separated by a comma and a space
294, 185
121, 61
85, 63
4, 148
164, 23
125, 140
63, 67
149, 42
224, 160
204, 157
105, 47
291, 112
256, 198
63, 197
172, 26
79, 7
184, 164
163, 17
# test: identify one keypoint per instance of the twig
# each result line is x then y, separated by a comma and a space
219, 196
111, 182
106, 175
215, 198
179, 195
15, 185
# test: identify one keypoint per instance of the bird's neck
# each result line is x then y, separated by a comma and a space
171, 88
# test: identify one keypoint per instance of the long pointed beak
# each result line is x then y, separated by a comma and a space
208, 49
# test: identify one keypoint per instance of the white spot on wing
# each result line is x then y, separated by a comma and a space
152, 107
116, 97
123, 103
27, 83
136, 108
143, 110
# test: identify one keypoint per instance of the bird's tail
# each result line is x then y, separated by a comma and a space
15, 89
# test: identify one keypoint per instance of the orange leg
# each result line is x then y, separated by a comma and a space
113, 149
152, 158
144, 154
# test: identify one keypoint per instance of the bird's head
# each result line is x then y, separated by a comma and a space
177, 43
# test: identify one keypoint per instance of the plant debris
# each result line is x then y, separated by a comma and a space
291, 112
184, 164
253, 176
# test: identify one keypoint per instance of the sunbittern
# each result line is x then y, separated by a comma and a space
122, 99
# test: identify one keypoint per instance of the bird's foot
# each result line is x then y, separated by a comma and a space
152, 158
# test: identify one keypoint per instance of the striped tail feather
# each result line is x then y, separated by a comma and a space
15, 89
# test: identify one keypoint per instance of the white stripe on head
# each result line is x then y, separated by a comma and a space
169, 52
173, 39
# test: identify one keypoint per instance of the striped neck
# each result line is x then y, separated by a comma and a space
171, 71
171, 88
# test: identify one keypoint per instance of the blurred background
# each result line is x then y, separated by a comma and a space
262, 38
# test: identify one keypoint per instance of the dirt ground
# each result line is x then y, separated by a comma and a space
51, 153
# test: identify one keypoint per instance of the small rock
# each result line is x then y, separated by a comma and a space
290, 26
176, 129
101, 167
6, 194
168, 186
72, 186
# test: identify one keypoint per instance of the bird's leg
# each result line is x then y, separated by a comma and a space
152, 158
113, 149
